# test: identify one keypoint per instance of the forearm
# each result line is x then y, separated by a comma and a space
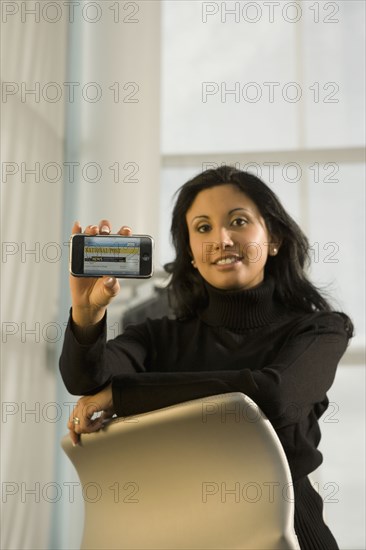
286, 390
143, 392
82, 362
85, 320
84, 332
88, 361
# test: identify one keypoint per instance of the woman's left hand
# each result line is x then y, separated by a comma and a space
80, 421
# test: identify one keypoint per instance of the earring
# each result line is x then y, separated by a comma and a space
274, 251
193, 263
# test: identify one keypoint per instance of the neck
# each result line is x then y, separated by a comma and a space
242, 309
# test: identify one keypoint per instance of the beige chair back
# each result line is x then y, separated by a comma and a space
204, 474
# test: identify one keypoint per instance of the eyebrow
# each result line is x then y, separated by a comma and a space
204, 216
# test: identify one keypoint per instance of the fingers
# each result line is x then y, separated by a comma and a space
106, 415
75, 438
111, 285
76, 228
104, 228
92, 230
81, 419
125, 230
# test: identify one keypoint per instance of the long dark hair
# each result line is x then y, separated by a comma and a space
292, 287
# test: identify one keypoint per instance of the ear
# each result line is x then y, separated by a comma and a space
274, 245
193, 261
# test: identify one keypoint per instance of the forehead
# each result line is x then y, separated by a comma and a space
220, 200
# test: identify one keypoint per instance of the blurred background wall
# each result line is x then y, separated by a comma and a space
107, 108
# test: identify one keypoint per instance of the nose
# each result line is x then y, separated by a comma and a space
224, 238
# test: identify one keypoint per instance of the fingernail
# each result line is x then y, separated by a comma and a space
105, 229
109, 282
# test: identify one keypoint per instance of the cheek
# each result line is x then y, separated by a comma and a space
205, 250
201, 249
255, 248
195, 249
254, 252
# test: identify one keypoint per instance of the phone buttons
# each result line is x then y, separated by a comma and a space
146, 257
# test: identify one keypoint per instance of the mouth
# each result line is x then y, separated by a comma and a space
228, 260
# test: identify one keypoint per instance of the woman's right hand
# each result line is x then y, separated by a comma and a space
90, 296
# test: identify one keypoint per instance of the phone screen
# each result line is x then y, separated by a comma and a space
108, 256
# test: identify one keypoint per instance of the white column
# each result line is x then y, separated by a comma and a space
113, 121
32, 74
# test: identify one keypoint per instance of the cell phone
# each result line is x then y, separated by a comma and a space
118, 256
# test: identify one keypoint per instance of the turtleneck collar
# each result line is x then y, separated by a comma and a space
242, 309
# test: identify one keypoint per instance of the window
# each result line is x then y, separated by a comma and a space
278, 91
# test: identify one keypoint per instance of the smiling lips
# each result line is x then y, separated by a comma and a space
227, 260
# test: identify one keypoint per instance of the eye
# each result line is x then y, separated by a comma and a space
203, 228
239, 222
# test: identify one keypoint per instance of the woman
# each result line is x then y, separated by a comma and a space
248, 320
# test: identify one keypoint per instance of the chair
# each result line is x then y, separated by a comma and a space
203, 474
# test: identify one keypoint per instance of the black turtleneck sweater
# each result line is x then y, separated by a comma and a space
243, 341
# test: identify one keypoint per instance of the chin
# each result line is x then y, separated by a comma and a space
236, 285
228, 285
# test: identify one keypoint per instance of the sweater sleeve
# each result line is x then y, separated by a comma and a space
286, 390
86, 368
